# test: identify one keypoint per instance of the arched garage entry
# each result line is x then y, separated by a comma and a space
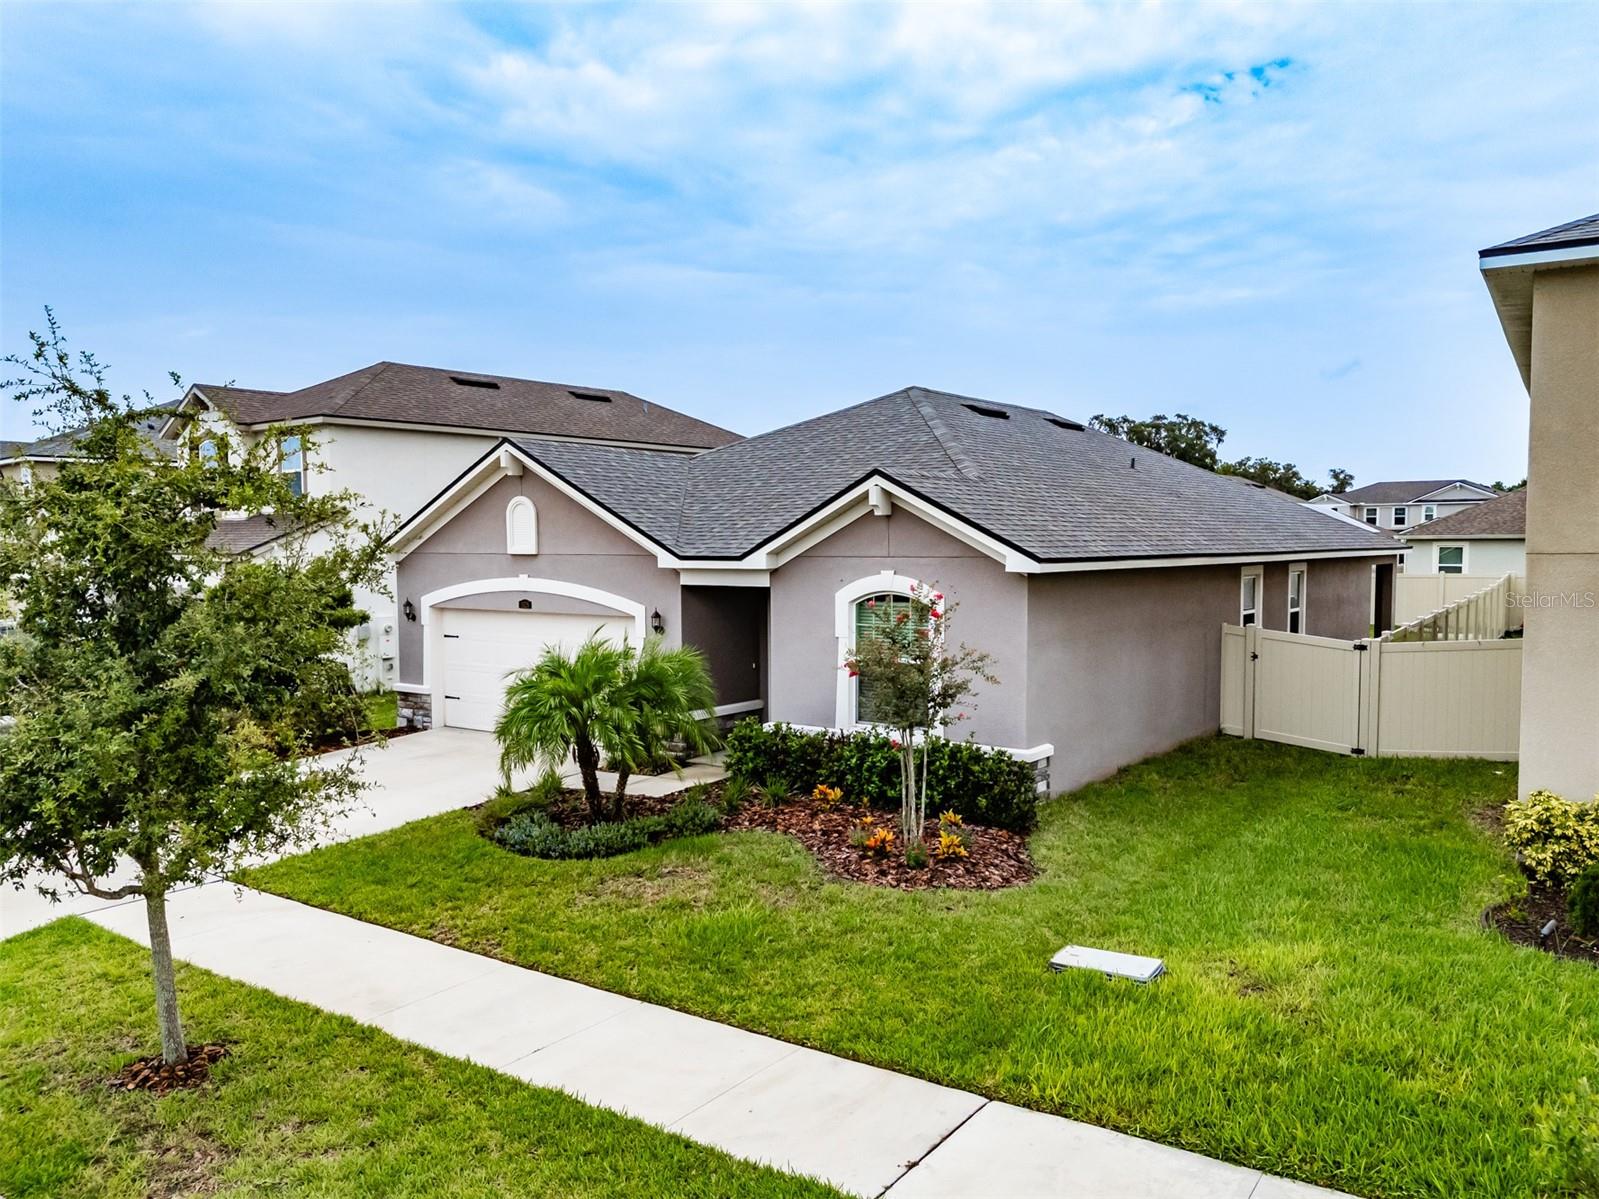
478, 633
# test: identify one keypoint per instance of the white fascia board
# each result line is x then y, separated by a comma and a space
1223, 560
464, 431
864, 498
194, 393
1485, 492
693, 576
1452, 537
1567, 256
502, 462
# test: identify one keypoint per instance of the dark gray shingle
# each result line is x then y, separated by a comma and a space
396, 393
1055, 493
1584, 231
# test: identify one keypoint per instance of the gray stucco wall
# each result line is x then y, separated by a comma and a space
1338, 597
575, 546
1126, 663
803, 674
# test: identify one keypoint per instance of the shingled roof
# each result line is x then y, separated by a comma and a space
1584, 231
1041, 484
395, 393
1502, 517
1404, 491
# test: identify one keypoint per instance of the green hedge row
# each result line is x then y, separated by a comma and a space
985, 786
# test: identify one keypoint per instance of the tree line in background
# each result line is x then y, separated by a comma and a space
1199, 441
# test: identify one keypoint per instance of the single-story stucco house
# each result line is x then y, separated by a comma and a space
1097, 574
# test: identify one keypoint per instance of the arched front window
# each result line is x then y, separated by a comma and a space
872, 614
521, 527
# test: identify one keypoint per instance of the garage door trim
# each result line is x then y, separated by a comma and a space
433, 642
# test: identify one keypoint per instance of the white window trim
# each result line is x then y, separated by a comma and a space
512, 546
1398, 508
1372, 515
1258, 573
1303, 571
1429, 512
304, 472
844, 601
1465, 556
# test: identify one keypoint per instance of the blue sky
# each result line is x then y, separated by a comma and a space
1265, 215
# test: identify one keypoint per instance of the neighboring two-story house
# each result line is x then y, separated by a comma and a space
396, 435
1397, 506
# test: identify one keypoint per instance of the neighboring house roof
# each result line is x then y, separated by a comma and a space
1584, 231
394, 393
1030, 480
245, 534
1405, 491
1502, 517
62, 446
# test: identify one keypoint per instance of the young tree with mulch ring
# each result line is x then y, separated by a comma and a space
156, 691
916, 684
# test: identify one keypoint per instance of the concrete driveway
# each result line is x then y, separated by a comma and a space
419, 775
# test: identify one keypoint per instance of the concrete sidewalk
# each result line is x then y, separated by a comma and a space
865, 1130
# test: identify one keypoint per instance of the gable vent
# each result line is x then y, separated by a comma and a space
592, 396
464, 381
983, 410
1060, 422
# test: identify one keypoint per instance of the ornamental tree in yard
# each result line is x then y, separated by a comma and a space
156, 696
917, 683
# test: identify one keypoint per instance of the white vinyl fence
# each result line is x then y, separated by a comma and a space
1419, 596
1431, 699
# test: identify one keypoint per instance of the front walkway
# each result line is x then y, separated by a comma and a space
865, 1130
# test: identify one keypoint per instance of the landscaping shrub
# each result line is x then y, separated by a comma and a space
533, 834
1557, 838
983, 786
505, 803
1582, 904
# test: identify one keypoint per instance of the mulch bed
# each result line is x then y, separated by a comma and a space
1521, 920
996, 859
151, 1074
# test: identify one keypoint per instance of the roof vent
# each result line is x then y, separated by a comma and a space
464, 381
594, 397
983, 410
1060, 422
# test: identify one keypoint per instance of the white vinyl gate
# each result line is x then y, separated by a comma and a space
1409, 699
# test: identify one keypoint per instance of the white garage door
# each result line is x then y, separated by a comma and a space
482, 649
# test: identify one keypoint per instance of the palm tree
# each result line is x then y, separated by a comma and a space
610, 699
565, 705
669, 693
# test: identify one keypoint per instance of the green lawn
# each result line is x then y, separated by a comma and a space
306, 1104
1333, 1010
382, 709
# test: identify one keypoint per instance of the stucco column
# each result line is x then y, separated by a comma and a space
1560, 672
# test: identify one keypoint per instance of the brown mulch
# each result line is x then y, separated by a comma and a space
1521, 920
151, 1074
328, 745
996, 858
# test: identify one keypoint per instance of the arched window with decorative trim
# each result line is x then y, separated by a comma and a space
521, 527
859, 608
